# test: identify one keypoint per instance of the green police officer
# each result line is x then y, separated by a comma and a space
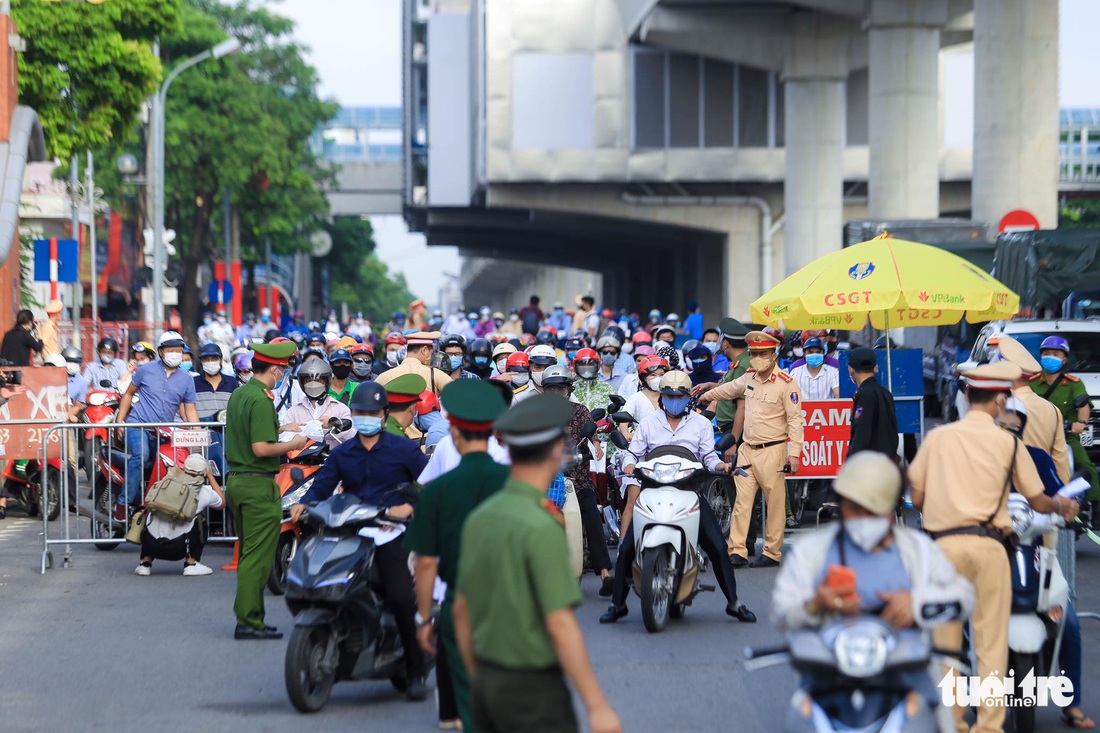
403, 393
472, 407
1069, 395
516, 591
252, 451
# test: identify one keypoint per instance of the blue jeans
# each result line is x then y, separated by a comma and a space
139, 443
1069, 656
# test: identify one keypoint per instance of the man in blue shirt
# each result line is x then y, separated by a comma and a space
372, 466
693, 324
158, 392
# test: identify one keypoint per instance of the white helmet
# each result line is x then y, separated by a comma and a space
543, 355
170, 338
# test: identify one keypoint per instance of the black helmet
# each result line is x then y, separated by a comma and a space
273, 333
210, 349
369, 397
545, 336
107, 344
481, 347
453, 340
573, 344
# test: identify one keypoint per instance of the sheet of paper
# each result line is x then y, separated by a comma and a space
1074, 488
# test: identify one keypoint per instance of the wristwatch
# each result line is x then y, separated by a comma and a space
420, 620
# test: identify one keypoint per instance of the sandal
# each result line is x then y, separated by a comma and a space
1077, 720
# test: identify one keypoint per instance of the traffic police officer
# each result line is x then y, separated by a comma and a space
516, 591
403, 393
252, 452
445, 502
1043, 429
773, 415
1066, 392
961, 478
420, 346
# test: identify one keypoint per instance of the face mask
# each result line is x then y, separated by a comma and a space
456, 362
172, 360
712, 346
761, 363
798, 351
72, 369
207, 321
107, 358
211, 367
587, 371
815, 360
513, 318
243, 377
698, 363
867, 533
221, 319
265, 319
366, 426
608, 359
1051, 364
314, 389
536, 377
341, 371
558, 311
675, 406
570, 355
481, 361
628, 347
391, 358
361, 369
654, 383
186, 366
519, 378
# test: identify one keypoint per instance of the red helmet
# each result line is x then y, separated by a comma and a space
651, 363
811, 333
774, 333
395, 338
606, 313
518, 359
641, 337
586, 355
428, 403
361, 349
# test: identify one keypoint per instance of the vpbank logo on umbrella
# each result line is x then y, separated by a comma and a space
861, 270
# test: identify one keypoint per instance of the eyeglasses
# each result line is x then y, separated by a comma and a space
361, 361
609, 353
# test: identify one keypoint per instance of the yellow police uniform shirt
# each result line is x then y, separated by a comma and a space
959, 474
412, 365
773, 408
1044, 429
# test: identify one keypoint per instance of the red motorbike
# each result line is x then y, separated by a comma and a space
25, 482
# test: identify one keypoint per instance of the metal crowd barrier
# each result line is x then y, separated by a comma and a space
92, 472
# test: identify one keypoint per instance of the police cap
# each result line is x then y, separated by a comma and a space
732, 329
277, 352
862, 359
472, 404
999, 376
761, 340
405, 389
538, 420
1013, 351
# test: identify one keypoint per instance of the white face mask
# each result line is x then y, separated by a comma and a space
107, 358
519, 380
654, 383
172, 360
391, 358
536, 377
211, 367
314, 389
867, 533
72, 369
242, 377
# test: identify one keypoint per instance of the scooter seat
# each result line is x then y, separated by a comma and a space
675, 451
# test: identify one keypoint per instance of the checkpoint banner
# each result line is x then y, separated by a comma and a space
46, 397
827, 429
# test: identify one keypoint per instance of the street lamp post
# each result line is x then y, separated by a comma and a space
226, 47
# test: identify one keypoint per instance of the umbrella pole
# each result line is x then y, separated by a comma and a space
889, 370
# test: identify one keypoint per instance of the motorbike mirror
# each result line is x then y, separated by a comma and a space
619, 439
409, 493
621, 417
105, 383
940, 612
598, 414
617, 400
588, 430
341, 426
724, 443
1081, 401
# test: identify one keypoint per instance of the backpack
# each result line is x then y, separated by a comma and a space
530, 321
175, 498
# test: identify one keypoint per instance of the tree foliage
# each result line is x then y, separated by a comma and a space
360, 279
88, 69
1079, 214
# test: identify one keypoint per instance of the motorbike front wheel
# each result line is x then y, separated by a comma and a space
656, 590
53, 493
718, 496
284, 553
309, 676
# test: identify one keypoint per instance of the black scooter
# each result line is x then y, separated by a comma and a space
342, 630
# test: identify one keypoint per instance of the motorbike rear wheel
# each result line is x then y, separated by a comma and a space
1022, 716
105, 505
717, 494
52, 486
308, 679
656, 590
284, 553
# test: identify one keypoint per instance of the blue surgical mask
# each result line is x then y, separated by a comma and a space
815, 360
366, 425
207, 321
558, 311
185, 366
1051, 364
571, 355
712, 346
675, 406
608, 359
698, 362
456, 362
425, 422
265, 319
481, 360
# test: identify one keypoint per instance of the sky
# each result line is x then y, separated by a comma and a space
356, 48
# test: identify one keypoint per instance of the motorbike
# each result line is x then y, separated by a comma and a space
342, 629
33, 488
294, 479
99, 415
666, 531
858, 675
1039, 597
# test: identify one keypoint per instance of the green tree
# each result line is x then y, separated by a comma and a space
1079, 214
88, 69
361, 279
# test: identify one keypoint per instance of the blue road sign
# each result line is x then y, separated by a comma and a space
68, 260
226, 288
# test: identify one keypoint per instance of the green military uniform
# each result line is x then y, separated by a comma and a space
514, 571
401, 391
445, 503
250, 487
1066, 390
726, 410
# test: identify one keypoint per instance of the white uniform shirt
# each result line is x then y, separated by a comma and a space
163, 529
446, 457
816, 388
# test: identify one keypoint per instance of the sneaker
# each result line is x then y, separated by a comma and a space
793, 523
143, 570
196, 569
120, 513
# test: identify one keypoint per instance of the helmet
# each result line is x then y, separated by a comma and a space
56, 360
1055, 342
451, 341
644, 350
273, 333
314, 368
676, 384
503, 350
210, 349
361, 349
655, 315
369, 397
339, 355
428, 403
314, 353
689, 345
142, 347
652, 363
669, 354
614, 332
517, 361
811, 333
608, 342
398, 316
543, 355
871, 480
170, 338
71, 353
606, 313
546, 336
673, 318
316, 336
813, 343
186, 349
107, 344
298, 339
485, 310
573, 344
243, 363
641, 337
395, 338
557, 375
662, 329
481, 347
774, 333
585, 355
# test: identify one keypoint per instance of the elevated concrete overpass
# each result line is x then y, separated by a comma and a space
365, 145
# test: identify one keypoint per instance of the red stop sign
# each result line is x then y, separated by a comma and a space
1018, 221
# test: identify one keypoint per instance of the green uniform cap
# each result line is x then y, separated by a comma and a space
277, 352
472, 404
537, 420
406, 388
733, 329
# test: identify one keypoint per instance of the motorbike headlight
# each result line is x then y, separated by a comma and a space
666, 473
295, 496
1021, 515
861, 650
